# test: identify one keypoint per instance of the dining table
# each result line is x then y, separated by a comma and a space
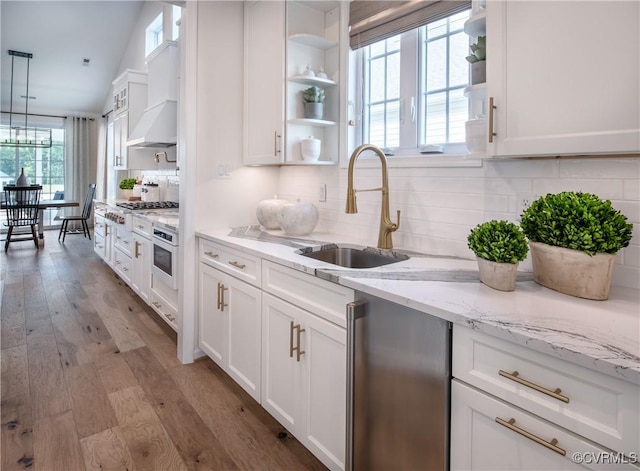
48, 204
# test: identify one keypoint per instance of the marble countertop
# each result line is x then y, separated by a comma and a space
167, 218
600, 335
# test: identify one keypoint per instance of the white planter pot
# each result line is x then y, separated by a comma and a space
571, 271
500, 276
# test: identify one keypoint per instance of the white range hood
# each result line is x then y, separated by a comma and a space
158, 126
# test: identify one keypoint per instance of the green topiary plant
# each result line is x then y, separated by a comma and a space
313, 95
575, 220
498, 241
478, 50
127, 183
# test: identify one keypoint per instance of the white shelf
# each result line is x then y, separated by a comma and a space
312, 40
316, 162
307, 80
477, 24
477, 91
312, 122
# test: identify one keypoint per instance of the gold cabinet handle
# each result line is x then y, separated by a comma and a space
136, 254
492, 107
299, 352
239, 265
552, 445
157, 304
211, 254
275, 143
221, 303
554, 394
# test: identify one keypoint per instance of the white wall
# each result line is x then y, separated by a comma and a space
440, 205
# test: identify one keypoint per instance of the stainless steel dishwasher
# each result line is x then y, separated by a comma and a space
398, 387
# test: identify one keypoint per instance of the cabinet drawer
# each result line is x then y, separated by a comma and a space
598, 407
142, 226
99, 225
122, 265
231, 261
323, 298
487, 433
165, 309
99, 245
123, 239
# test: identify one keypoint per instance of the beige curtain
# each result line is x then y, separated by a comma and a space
80, 160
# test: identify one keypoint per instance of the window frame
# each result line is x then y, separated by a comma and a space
454, 154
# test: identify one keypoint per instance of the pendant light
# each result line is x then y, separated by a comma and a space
23, 136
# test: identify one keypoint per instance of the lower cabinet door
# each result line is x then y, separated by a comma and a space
141, 267
230, 325
304, 377
487, 433
212, 329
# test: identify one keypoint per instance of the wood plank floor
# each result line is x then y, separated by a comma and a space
90, 379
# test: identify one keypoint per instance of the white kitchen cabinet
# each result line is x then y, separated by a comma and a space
304, 377
487, 433
563, 78
548, 398
164, 300
281, 40
121, 259
101, 236
230, 324
264, 82
141, 259
129, 103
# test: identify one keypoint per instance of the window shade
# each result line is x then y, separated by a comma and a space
372, 21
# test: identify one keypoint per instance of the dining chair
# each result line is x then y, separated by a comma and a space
86, 212
21, 205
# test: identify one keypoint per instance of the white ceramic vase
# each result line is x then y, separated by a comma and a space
267, 212
571, 271
298, 218
310, 149
500, 276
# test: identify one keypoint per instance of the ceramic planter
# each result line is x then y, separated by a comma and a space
571, 271
478, 72
313, 110
500, 276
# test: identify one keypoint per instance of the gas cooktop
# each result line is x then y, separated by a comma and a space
137, 205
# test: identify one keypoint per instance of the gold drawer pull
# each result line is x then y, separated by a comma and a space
492, 108
299, 352
551, 445
554, 394
211, 254
239, 265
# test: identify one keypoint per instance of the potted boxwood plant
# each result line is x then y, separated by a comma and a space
574, 237
499, 246
477, 59
313, 102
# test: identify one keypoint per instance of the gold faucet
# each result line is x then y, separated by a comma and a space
386, 225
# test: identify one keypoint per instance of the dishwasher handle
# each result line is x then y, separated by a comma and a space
355, 312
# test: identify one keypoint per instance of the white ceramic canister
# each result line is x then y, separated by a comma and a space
298, 218
310, 149
151, 192
267, 212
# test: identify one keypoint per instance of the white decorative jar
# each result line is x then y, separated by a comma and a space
298, 218
310, 149
267, 212
475, 133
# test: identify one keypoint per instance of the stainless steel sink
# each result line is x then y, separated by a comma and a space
355, 258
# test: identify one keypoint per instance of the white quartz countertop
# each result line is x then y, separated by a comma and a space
601, 335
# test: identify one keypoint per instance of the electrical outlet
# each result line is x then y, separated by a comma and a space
523, 201
322, 193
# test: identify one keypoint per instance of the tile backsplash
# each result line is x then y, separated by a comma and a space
439, 206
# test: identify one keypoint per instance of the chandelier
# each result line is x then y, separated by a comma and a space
18, 135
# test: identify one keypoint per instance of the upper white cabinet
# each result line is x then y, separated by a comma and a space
563, 78
282, 41
264, 82
129, 102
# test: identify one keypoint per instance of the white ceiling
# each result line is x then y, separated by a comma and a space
60, 34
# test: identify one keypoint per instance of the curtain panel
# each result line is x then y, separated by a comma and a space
80, 166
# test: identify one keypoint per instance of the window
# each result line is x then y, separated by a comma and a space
412, 88
42, 166
153, 35
177, 15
